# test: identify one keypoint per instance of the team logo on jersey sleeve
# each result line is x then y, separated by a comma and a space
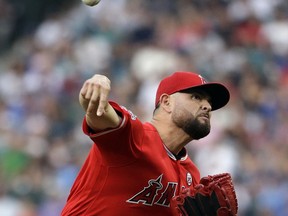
133, 116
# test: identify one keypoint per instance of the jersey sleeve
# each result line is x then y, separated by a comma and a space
118, 145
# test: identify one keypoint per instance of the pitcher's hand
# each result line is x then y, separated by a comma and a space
94, 94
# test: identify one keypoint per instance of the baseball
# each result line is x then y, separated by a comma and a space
91, 2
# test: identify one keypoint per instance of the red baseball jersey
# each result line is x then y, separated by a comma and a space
129, 171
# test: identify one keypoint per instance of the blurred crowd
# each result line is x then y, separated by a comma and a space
242, 43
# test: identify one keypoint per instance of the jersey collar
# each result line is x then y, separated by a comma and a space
181, 156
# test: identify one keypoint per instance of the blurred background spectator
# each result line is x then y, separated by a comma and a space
49, 47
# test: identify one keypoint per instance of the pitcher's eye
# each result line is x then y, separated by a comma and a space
196, 97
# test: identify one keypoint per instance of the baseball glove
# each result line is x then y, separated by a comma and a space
214, 196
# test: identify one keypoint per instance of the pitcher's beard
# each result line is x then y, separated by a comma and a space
192, 126
195, 129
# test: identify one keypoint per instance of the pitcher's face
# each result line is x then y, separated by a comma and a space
192, 113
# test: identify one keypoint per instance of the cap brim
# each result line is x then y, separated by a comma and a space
219, 94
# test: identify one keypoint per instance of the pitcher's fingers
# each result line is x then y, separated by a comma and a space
86, 91
103, 101
93, 100
83, 90
89, 92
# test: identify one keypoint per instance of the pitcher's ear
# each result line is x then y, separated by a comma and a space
165, 102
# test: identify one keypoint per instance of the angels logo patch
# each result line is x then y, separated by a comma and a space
189, 178
155, 193
133, 116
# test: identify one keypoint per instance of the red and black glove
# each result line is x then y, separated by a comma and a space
214, 196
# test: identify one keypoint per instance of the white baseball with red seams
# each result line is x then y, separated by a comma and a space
91, 2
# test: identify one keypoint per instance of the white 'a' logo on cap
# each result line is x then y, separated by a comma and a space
202, 79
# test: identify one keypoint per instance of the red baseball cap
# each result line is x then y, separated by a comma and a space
180, 81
